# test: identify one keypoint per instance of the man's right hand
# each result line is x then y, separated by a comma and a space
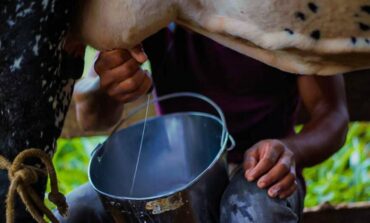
121, 75
100, 101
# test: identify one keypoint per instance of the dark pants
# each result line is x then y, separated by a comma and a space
241, 202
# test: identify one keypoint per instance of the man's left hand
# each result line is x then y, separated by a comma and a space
271, 163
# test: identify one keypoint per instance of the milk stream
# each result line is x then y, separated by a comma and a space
140, 147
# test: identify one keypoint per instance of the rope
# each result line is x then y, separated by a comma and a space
21, 178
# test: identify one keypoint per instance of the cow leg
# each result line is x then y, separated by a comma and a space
34, 90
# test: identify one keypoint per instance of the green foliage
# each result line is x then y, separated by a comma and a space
71, 161
345, 177
342, 178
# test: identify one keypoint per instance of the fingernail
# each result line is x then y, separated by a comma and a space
273, 192
250, 176
261, 184
247, 172
247, 175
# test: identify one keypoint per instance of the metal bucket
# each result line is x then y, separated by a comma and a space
182, 171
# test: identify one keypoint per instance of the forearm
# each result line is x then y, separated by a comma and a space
322, 136
95, 110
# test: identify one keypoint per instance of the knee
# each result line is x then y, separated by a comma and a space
243, 201
84, 206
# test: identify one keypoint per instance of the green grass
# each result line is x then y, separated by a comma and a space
342, 178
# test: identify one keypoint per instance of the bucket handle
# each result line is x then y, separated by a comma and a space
225, 137
232, 143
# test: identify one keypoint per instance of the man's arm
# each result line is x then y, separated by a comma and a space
325, 133
272, 162
100, 99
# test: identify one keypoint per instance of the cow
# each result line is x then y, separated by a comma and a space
304, 37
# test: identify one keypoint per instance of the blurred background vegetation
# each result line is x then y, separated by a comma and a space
345, 177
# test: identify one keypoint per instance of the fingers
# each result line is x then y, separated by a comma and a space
121, 76
113, 77
268, 158
111, 59
250, 160
142, 90
287, 193
281, 168
283, 187
271, 162
249, 163
139, 54
131, 84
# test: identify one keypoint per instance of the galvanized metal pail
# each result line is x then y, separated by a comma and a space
182, 171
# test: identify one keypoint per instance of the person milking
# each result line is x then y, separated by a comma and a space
260, 105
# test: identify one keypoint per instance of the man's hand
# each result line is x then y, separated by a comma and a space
121, 76
271, 163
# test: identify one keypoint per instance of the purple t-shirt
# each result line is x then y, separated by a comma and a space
259, 101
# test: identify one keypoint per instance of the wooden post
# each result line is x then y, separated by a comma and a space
344, 213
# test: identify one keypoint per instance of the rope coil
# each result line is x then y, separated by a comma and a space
21, 178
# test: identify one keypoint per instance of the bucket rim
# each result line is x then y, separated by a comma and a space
221, 151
